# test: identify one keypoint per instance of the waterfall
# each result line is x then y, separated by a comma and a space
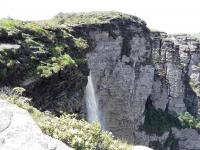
93, 113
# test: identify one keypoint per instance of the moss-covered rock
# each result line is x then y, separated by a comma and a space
44, 60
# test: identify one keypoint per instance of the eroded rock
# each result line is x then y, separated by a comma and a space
123, 76
18, 131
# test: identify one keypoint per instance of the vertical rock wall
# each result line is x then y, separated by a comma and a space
136, 65
123, 75
176, 81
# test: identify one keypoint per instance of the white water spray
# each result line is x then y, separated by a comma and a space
93, 113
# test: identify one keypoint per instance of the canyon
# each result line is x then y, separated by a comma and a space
142, 80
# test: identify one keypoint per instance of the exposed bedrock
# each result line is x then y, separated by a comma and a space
137, 65
123, 76
133, 69
19, 131
177, 71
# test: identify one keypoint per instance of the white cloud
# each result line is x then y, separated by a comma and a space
172, 16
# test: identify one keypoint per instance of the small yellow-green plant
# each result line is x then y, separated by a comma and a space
56, 64
80, 43
35, 27
10, 24
188, 120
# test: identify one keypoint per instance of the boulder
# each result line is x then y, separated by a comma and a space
18, 131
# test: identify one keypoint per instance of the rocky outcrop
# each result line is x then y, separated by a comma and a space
176, 80
154, 68
188, 139
133, 69
18, 131
123, 75
34, 56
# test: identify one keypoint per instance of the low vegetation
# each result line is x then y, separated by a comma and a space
86, 18
55, 64
189, 121
158, 121
79, 134
43, 50
13, 25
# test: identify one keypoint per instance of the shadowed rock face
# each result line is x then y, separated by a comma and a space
18, 131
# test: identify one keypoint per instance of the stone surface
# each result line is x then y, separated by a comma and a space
176, 82
188, 139
128, 63
168, 75
122, 75
19, 132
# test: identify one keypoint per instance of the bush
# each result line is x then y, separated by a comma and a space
81, 43
34, 27
79, 134
46, 69
10, 24
187, 120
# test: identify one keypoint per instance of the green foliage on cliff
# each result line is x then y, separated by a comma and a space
80, 43
35, 27
14, 25
158, 121
189, 121
79, 134
10, 24
46, 69
43, 50
87, 18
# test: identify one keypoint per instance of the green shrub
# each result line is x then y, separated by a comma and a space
79, 134
80, 43
158, 121
46, 69
86, 18
189, 121
58, 49
18, 91
10, 24
34, 27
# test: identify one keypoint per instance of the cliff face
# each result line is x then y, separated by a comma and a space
143, 79
47, 62
176, 85
157, 69
123, 75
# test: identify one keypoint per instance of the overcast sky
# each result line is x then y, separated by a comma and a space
172, 16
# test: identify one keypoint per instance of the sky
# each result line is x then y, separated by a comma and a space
172, 16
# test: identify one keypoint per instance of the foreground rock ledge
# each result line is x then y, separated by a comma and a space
18, 131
